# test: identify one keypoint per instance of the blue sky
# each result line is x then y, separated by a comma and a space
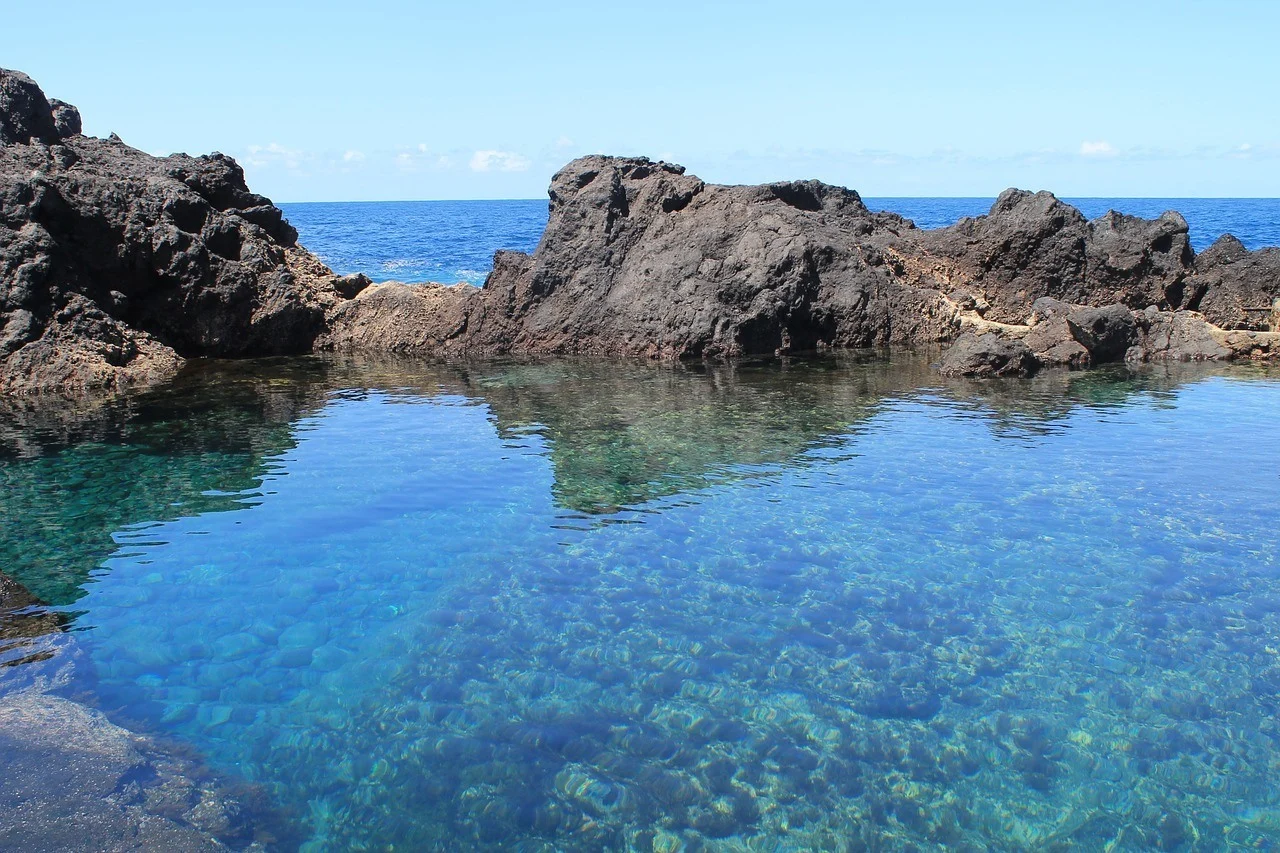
398, 100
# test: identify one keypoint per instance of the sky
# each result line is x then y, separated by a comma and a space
382, 100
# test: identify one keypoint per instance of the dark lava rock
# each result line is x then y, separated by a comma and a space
66, 118
1235, 288
25, 114
988, 355
640, 258
115, 265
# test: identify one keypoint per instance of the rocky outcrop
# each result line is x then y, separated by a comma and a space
640, 258
115, 265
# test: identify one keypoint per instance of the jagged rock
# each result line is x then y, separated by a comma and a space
988, 355
640, 258
1236, 288
66, 118
115, 265
25, 114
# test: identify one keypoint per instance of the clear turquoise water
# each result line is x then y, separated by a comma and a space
453, 241
826, 604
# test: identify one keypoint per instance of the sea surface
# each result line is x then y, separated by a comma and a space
833, 603
821, 604
454, 241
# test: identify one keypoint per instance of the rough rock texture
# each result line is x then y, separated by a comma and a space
25, 115
987, 355
114, 264
639, 258
71, 780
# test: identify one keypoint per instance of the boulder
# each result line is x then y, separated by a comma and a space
1179, 336
1106, 332
988, 355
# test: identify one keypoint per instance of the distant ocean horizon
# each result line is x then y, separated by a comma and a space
454, 241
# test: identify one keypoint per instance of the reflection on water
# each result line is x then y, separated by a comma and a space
572, 605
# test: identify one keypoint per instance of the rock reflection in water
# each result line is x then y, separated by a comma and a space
863, 608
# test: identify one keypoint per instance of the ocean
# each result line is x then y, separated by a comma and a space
454, 241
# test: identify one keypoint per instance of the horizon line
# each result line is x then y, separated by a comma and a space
860, 195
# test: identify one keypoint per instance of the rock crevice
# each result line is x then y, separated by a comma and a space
116, 265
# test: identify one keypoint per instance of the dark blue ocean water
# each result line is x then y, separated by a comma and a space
452, 241
445, 241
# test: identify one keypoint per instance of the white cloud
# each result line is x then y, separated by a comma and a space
564, 142
421, 158
498, 161
1097, 149
274, 153
353, 156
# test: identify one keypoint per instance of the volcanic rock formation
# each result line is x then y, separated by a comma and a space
115, 265
639, 258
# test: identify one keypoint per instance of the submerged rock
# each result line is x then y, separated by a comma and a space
23, 618
72, 780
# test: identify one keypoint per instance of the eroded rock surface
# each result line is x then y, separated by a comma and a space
115, 265
72, 780
640, 258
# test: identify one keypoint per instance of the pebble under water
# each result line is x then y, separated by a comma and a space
828, 604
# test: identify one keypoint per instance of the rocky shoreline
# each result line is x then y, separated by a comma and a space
115, 266
640, 259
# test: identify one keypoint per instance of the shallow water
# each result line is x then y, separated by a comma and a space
815, 604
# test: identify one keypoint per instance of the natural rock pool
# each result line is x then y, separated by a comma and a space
817, 604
